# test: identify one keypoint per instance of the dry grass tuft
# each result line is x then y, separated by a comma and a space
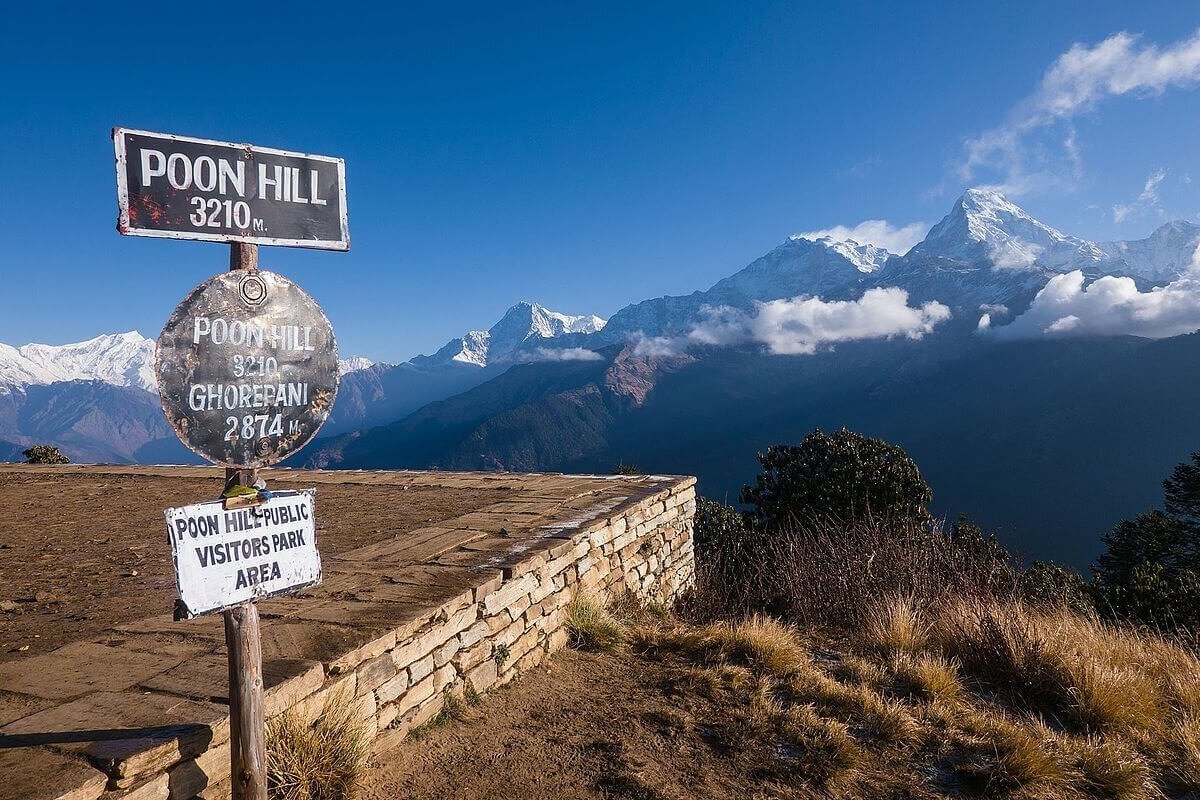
927, 677
1011, 758
1110, 769
321, 761
761, 643
826, 751
895, 624
1179, 755
591, 627
997, 699
1104, 697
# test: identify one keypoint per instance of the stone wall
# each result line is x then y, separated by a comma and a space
506, 616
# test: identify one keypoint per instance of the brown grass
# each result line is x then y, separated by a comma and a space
993, 699
928, 677
323, 760
591, 627
895, 624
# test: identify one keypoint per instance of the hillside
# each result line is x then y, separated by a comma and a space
759, 709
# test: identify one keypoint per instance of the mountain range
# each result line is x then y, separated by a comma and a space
97, 399
1042, 381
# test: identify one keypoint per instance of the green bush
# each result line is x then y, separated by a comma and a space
1050, 586
1150, 571
44, 454
841, 477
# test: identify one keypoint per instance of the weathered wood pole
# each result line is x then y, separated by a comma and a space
247, 741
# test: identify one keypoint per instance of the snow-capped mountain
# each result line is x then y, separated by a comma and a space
1169, 252
523, 327
353, 364
123, 359
822, 267
983, 226
986, 251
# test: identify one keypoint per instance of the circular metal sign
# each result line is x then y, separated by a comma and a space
247, 368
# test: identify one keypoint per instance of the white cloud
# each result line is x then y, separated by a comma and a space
990, 312
658, 346
879, 232
802, 324
566, 354
1036, 146
1108, 306
1148, 199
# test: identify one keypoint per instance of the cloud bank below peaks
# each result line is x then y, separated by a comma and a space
1108, 306
800, 325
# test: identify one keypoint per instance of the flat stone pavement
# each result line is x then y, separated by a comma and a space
105, 713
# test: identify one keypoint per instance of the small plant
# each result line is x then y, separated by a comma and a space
626, 469
500, 655
592, 628
319, 761
44, 454
454, 709
454, 706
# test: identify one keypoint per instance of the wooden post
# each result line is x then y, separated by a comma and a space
247, 742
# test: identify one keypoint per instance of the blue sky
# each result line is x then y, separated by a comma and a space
582, 157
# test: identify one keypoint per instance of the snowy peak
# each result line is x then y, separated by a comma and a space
820, 267
865, 257
526, 321
353, 364
523, 325
1172, 250
985, 226
123, 359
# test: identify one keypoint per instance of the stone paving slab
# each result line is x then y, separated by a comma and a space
125, 733
34, 773
207, 679
79, 668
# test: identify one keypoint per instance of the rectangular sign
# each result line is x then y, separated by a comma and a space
225, 557
184, 188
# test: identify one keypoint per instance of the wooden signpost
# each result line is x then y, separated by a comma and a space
247, 373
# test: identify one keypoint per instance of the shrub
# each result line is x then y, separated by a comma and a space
832, 575
1150, 570
729, 553
44, 454
1049, 586
321, 761
843, 476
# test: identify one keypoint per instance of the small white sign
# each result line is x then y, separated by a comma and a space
225, 557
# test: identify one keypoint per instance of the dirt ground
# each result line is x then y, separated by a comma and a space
79, 554
583, 726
